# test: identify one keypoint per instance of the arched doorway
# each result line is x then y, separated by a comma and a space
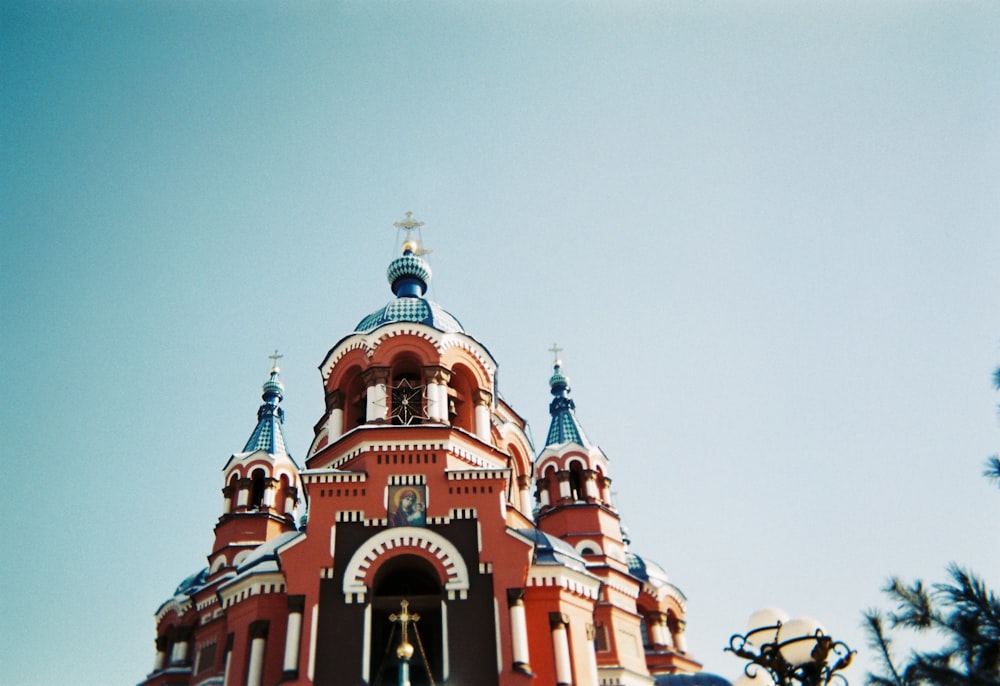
410, 578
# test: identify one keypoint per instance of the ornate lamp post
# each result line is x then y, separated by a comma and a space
795, 652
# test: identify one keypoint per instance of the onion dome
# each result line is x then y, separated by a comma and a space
191, 584
646, 570
267, 435
409, 276
565, 428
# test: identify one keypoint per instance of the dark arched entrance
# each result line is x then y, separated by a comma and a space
410, 578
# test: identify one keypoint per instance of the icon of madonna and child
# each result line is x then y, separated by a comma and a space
407, 506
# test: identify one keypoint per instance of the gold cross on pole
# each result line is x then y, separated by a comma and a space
405, 617
274, 359
409, 223
555, 350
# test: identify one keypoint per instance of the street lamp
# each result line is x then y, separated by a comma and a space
791, 652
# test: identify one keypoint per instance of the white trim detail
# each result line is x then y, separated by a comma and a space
457, 583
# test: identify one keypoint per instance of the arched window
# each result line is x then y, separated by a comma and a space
410, 578
576, 481
461, 401
232, 493
355, 400
257, 484
553, 484
284, 490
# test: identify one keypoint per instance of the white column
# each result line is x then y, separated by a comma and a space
268, 499
335, 425
526, 504
377, 402
227, 501
229, 661
543, 493
591, 656
658, 624
518, 630
564, 489
590, 484
680, 642
483, 422
258, 644
445, 655
289, 504
436, 410
560, 648
179, 654
293, 636
314, 614
160, 661
242, 492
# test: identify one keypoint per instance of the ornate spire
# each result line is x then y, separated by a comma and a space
409, 275
565, 428
267, 436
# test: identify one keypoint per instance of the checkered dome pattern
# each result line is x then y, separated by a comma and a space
565, 429
267, 437
418, 310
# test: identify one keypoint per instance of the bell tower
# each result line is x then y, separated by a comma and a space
262, 484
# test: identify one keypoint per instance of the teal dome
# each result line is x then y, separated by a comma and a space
409, 276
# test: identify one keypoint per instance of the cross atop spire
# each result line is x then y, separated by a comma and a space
274, 360
411, 245
409, 223
555, 350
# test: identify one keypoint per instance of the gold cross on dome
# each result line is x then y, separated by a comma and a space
409, 223
274, 359
555, 350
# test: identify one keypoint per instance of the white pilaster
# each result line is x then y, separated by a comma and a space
560, 647
255, 674
377, 402
483, 422
292, 637
335, 425
519, 634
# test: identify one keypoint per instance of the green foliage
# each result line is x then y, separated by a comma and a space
992, 471
965, 613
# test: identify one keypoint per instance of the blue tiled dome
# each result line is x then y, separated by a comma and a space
409, 275
646, 570
409, 266
410, 309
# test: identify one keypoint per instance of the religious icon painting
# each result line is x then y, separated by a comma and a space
408, 505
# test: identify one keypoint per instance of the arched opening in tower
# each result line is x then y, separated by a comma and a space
410, 578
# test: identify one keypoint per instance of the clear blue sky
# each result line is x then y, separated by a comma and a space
766, 235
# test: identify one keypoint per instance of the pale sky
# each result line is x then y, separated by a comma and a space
765, 233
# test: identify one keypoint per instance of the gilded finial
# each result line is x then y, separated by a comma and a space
411, 245
274, 360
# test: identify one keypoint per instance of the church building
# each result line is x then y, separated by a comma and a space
423, 539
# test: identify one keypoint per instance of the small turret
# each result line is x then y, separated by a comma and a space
565, 427
267, 435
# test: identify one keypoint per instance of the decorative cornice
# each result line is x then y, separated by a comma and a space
577, 583
441, 341
251, 585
